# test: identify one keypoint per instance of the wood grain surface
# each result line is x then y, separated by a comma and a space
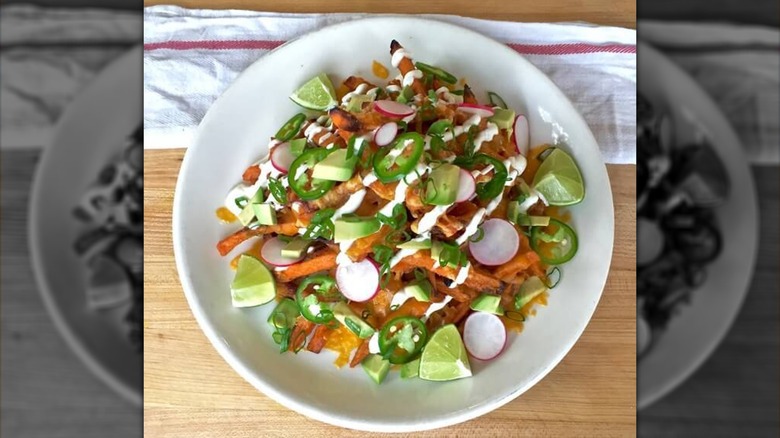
46, 390
605, 12
190, 391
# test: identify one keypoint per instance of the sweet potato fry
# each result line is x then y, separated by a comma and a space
251, 174
519, 263
458, 293
361, 247
344, 120
353, 82
360, 354
339, 194
322, 260
384, 191
318, 339
284, 290
230, 242
477, 279
468, 95
303, 327
405, 66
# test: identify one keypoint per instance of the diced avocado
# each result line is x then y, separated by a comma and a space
247, 214
406, 95
265, 214
335, 167
442, 185
410, 369
344, 314
416, 244
296, 248
253, 284
284, 314
376, 367
503, 118
419, 290
532, 221
436, 252
297, 146
488, 303
530, 289
354, 228
356, 102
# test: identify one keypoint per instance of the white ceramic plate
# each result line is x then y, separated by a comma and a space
235, 132
92, 130
694, 333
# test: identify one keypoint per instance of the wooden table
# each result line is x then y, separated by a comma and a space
190, 391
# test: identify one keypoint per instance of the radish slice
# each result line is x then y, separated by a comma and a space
484, 335
385, 134
282, 157
521, 135
393, 109
272, 253
358, 281
466, 186
498, 245
480, 110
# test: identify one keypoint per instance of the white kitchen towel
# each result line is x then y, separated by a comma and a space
738, 66
191, 56
47, 56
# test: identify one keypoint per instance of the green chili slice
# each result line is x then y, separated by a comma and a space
310, 306
307, 188
555, 243
492, 188
402, 339
291, 128
436, 71
496, 100
391, 163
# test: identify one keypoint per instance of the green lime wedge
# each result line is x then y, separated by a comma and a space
444, 358
559, 180
316, 94
253, 284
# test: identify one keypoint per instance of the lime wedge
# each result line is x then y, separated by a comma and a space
445, 358
559, 180
253, 284
317, 94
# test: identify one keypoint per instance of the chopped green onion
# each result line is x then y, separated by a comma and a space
242, 201
436, 71
514, 316
439, 127
477, 237
432, 96
277, 190
320, 225
551, 283
496, 100
398, 218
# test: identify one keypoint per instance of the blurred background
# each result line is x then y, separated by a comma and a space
50, 52
731, 49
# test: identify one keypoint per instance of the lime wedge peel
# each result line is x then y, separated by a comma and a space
444, 357
316, 94
559, 180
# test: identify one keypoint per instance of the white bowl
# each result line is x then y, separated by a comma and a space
694, 333
92, 131
235, 132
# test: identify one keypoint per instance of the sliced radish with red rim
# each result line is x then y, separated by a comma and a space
484, 335
480, 110
522, 135
499, 243
271, 252
466, 186
282, 157
393, 109
386, 134
358, 281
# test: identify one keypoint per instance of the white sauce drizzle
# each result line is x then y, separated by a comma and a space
399, 298
463, 273
392, 88
410, 76
485, 135
399, 55
472, 227
429, 219
352, 204
436, 307
373, 344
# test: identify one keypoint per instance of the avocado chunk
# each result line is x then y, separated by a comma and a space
297, 146
349, 228
355, 104
376, 367
335, 167
247, 215
344, 314
405, 95
442, 186
284, 314
514, 214
296, 248
503, 118
419, 290
410, 369
530, 289
253, 284
265, 214
488, 303
416, 244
